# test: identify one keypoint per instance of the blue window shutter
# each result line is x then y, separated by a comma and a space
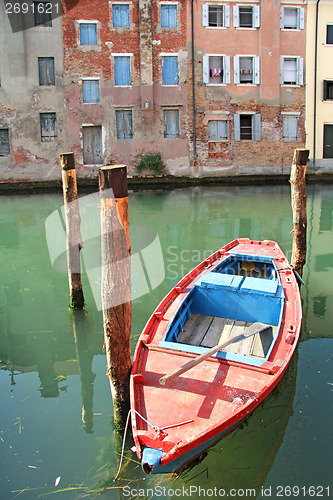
235, 15
90, 91
237, 126
170, 70
46, 71
205, 14
169, 16
171, 123
122, 70
257, 127
120, 16
88, 34
124, 124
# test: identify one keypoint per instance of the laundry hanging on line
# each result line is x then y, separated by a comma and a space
216, 72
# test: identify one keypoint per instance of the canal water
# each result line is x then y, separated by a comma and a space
56, 428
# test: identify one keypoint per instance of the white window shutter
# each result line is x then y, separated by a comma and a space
256, 70
256, 16
205, 14
237, 126
300, 70
226, 69
282, 18
235, 15
226, 14
236, 69
301, 18
281, 70
257, 127
205, 69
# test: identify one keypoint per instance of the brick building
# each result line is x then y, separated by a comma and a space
112, 79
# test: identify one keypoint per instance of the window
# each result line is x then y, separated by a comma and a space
48, 127
246, 16
291, 70
292, 18
247, 70
43, 14
4, 142
217, 130
329, 34
169, 16
328, 90
124, 124
122, 70
92, 145
216, 16
88, 33
170, 70
120, 15
289, 127
247, 127
171, 123
328, 141
216, 69
46, 71
90, 91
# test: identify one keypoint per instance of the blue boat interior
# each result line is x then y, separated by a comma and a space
239, 291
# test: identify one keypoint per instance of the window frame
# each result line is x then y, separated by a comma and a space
52, 116
88, 24
300, 17
255, 69
299, 71
127, 24
206, 69
85, 81
46, 16
4, 150
49, 71
173, 79
225, 15
255, 16
225, 125
123, 82
165, 112
286, 135
255, 126
129, 113
170, 6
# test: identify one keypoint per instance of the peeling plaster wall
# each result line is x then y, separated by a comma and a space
22, 99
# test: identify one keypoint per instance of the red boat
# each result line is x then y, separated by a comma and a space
213, 349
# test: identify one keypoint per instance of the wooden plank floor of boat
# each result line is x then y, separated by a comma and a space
208, 331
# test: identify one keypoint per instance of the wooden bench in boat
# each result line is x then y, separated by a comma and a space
208, 331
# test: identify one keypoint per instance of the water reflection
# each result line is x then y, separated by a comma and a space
39, 336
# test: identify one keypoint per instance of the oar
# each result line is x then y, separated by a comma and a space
248, 332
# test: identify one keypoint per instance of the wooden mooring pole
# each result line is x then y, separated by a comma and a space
298, 203
116, 285
73, 233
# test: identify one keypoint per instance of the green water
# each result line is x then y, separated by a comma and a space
56, 408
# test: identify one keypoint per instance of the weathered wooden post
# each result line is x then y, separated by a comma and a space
298, 203
116, 284
73, 233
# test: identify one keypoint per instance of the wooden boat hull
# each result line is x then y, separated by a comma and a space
243, 282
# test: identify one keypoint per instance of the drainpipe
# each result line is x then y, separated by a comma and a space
315, 89
193, 87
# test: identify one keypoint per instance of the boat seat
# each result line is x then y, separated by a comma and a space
217, 280
258, 285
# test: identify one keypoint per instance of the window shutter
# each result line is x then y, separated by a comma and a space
256, 70
116, 16
300, 70
293, 128
173, 16
46, 71
256, 16
95, 91
205, 69
164, 16
325, 90
235, 14
170, 70
122, 70
86, 91
301, 18
205, 14
237, 126
281, 70
226, 69
257, 127
236, 69
226, 15
174, 70
212, 130
282, 18
84, 34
